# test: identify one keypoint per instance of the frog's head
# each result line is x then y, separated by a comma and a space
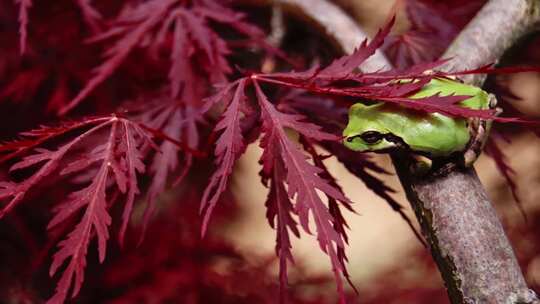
366, 130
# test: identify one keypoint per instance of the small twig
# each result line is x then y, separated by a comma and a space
275, 38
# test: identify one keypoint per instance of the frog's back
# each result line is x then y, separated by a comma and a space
445, 87
438, 134
434, 134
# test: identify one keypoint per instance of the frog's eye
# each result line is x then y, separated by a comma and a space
371, 137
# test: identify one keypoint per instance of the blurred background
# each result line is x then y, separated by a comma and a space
235, 262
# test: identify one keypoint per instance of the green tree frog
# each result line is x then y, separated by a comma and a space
385, 127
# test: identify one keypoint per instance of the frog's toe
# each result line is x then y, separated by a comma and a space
492, 101
469, 157
421, 165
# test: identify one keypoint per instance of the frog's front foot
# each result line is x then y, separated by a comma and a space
479, 130
420, 165
475, 147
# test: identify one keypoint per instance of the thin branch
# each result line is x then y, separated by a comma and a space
335, 24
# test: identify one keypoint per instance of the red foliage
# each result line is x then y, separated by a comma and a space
182, 268
147, 25
433, 25
118, 156
302, 180
161, 60
229, 146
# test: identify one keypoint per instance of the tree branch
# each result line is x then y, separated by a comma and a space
465, 235
335, 24
498, 26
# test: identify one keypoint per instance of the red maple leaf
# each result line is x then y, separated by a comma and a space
433, 26
229, 146
303, 180
119, 156
195, 45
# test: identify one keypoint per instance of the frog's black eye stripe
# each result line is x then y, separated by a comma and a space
371, 137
